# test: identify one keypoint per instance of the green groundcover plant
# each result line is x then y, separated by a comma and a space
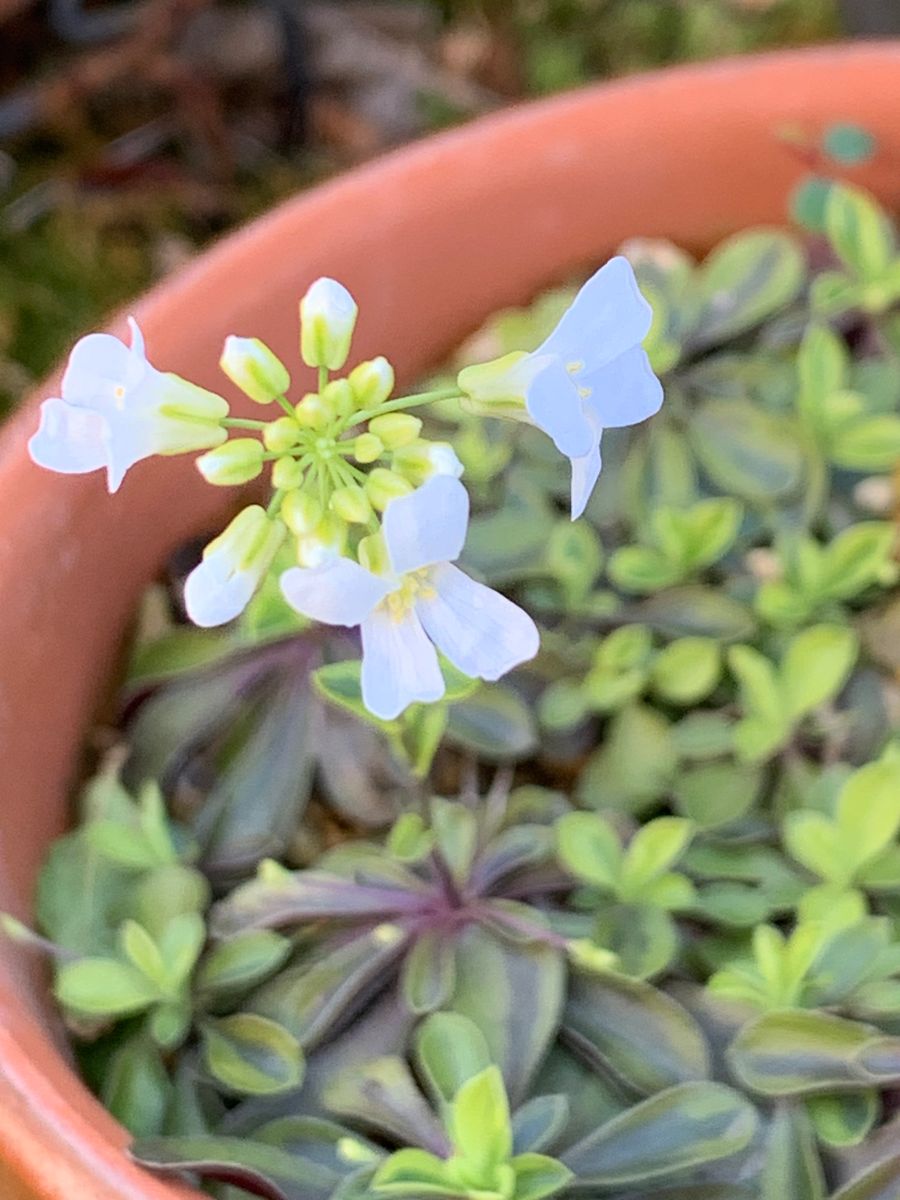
623, 924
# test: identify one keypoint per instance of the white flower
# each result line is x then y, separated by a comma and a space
251, 365
590, 374
421, 602
327, 319
116, 409
233, 566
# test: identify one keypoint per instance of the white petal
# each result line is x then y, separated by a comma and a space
98, 365
340, 592
624, 391
214, 593
482, 633
555, 405
128, 438
427, 526
68, 439
585, 473
607, 317
400, 665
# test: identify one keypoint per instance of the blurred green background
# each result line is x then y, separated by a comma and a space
134, 132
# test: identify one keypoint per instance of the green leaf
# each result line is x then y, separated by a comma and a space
678, 1129
263, 1170
816, 842
382, 1093
749, 453
816, 666
797, 1053
879, 1182
791, 1167
635, 764
858, 556
870, 444
73, 867
643, 569
242, 962
341, 684
859, 232
538, 1176
643, 937
142, 951
714, 794
456, 835
589, 848
849, 144
574, 557
450, 1049
654, 848
844, 1119
687, 670
539, 1122
479, 1123
822, 368
808, 202
104, 987
415, 1173
429, 972
514, 994
252, 1055
495, 724
744, 280
868, 811
694, 609
634, 1030
136, 1087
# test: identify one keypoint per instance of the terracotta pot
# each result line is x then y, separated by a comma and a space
430, 240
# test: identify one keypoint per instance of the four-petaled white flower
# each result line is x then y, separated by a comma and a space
590, 374
117, 409
421, 602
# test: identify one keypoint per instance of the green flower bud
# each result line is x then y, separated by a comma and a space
352, 504
497, 389
281, 435
312, 412
372, 382
237, 461
301, 512
286, 474
367, 448
383, 486
250, 364
327, 319
372, 554
338, 396
327, 541
396, 429
420, 460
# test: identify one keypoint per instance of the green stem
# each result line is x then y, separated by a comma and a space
275, 502
287, 406
323, 378
242, 423
404, 402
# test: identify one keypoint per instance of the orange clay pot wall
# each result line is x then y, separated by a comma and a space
430, 240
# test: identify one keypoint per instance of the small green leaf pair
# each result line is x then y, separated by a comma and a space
814, 668
816, 579
637, 886
852, 428
681, 544
152, 975
862, 237
482, 1165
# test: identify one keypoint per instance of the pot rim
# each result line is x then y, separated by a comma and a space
54, 1140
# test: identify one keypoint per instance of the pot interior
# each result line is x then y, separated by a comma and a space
430, 241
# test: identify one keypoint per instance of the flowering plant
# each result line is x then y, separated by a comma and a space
344, 454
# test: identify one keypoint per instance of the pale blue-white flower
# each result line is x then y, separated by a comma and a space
590, 374
416, 604
116, 409
327, 319
233, 566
